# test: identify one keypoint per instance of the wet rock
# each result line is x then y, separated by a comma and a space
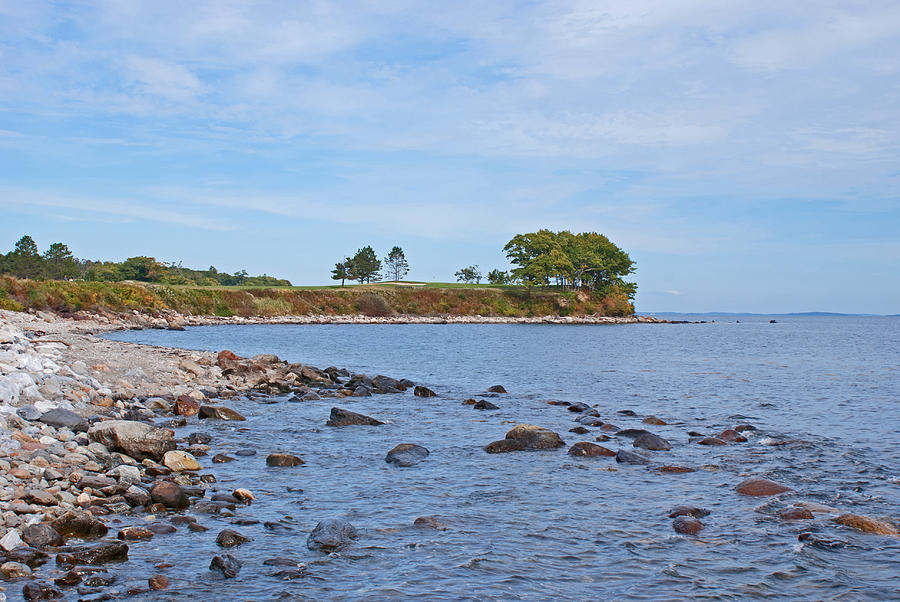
68, 579
589, 420
590, 450
62, 418
246, 453
688, 511
137, 496
41, 497
654, 420
469, 402
40, 536
158, 582
221, 459
626, 413
197, 528
26, 555
819, 542
483, 404
579, 430
218, 413
135, 439
794, 513
15, 570
243, 495
330, 535
578, 407
504, 446
134, 533
632, 433
40, 591
496, 389
406, 454
79, 524
100, 553
627, 457
227, 564
180, 461
867, 524
741, 428
429, 522
186, 405
535, 437
341, 417
199, 438
169, 495
161, 528
675, 469
760, 487
710, 441
227, 538
279, 459
687, 525
731, 436
652, 442
421, 391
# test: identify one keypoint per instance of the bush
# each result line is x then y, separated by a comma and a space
373, 305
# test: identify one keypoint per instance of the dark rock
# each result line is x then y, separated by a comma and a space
429, 522
135, 439
588, 449
362, 391
245, 453
421, 391
186, 405
99, 580
330, 535
228, 538
654, 420
161, 528
675, 469
222, 458
687, 525
579, 430
227, 564
496, 389
158, 471
341, 417
68, 579
627, 457
40, 591
95, 481
27, 555
277, 527
279, 459
732, 435
794, 513
535, 437
100, 553
867, 524
710, 441
406, 454
504, 445
688, 511
219, 413
825, 544
652, 442
169, 495
626, 413
79, 524
588, 420
578, 407
483, 404
741, 428
759, 487
134, 533
60, 418
469, 402
40, 536
632, 433
197, 528
158, 582
559, 403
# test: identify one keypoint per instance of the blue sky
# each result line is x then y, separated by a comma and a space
746, 154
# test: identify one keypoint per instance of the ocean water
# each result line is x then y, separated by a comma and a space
823, 392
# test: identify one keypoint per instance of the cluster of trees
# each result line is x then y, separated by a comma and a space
365, 266
58, 263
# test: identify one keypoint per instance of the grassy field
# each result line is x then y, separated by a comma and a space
379, 299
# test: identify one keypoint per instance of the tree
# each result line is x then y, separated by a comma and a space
25, 261
498, 277
60, 262
341, 270
365, 265
469, 274
395, 264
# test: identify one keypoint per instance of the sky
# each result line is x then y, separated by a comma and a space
746, 154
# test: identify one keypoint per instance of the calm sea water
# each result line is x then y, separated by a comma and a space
545, 525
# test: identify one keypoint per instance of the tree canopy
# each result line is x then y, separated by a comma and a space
365, 265
395, 264
469, 274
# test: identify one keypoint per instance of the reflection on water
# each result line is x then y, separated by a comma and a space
539, 525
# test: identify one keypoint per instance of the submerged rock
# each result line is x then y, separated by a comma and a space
421, 391
406, 454
632, 433
429, 522
794, 513
496, 389
652, 442
278, 459
535, 437
867, 525
627, 457
654, 420
483, 404
711, 441
330, 535
228, 538
504, 445
688, 511
760, 487
227, 564
687, 525
341, 417
590, 450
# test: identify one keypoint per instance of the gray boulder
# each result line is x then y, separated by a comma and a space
135, 439
332, 534
60, 417
406, 454
652, 442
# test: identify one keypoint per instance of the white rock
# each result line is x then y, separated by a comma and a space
11, 540
179, 461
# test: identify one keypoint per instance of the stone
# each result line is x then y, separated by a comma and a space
341, 417
169, 494
710, 441
197, 528
26, 555
39, 591
135, 533
627, 457
15, 570
161, 528
483, 404
632, 433
79, 524
429, 522
535, 437
504, 446
11, 540
228, 538
675, 469
219, 413
627, 413
330, 535
136, 439
654, 420
590, 450
180, 461
867, 524
199, 438
243, 495
62, 418
406, 454
760, 487
186, 405
279, 459
158, 582
732, 436
226, 355
421, 391
496, 389
687, 525
794, 513
100, 553
688, 511
39, 496
579, 430
40, 536
222, 458
652, 442
578, 407
227, 564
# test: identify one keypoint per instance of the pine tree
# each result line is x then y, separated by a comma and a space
396, 264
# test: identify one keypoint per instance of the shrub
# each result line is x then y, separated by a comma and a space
373, 305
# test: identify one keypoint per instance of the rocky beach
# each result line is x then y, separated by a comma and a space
91, 467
